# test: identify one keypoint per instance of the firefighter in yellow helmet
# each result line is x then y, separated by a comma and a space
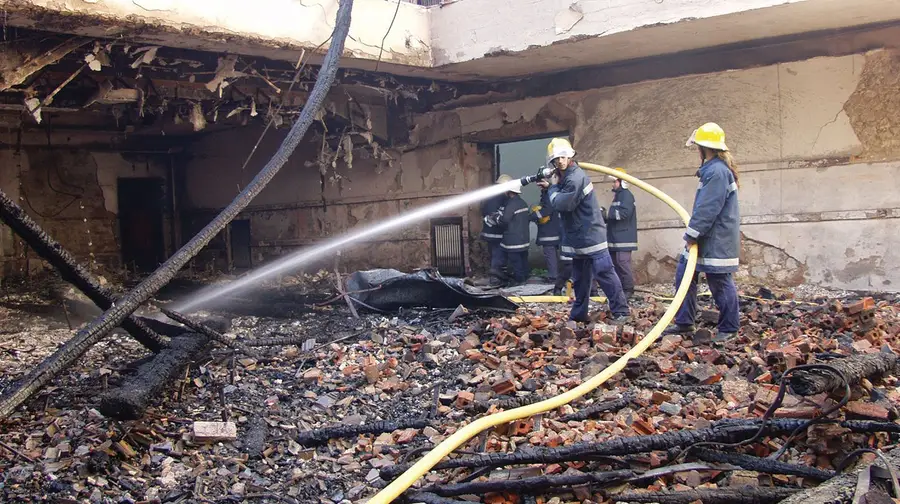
621, 232
583, 233
715, 228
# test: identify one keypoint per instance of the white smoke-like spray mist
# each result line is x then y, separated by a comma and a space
302, 257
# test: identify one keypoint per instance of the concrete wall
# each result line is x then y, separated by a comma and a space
301, 206
817, 143
78, 206
277, 29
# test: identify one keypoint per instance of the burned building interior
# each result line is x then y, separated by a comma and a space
328, 378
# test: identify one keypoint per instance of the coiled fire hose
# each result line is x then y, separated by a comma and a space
430, 459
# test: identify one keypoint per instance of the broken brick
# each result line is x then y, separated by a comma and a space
866, 303
210, 432
864, 410
464, 398
313, 375
504, 387
474, 355
659, 397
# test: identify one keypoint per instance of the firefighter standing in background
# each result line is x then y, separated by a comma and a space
584, 233
715, 228
548, 233
493, 235
621, 232
513, 221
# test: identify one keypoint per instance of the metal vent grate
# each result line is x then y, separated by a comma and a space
447, 246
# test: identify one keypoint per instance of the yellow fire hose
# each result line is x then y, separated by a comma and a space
407, 479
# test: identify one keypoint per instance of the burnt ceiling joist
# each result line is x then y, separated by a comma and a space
149, 89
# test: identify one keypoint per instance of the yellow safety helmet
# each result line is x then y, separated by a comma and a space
502, 179
709, 135
613, 177
559, 147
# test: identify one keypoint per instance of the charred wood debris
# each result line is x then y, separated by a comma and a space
331, 407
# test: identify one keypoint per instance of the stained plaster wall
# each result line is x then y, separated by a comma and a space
78, 207
817, 141
300, 207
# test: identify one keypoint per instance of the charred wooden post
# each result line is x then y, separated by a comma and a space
529, 485
427, 498
210, 333
321, 436
504, 404
763, 465
841, 488
730, 432
129, 401
742, 495
597, 409
255, 438
100, 327
855, 368
23, 225
681, 389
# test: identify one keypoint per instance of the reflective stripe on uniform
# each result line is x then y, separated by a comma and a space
491, 235
538, 214
564, 258
700, 185
588, 189
517, 212
587, 250
732, 187
553, 196
693, 233
714, 261
515, 247
548, 238
634, 244
618, 216
616, 203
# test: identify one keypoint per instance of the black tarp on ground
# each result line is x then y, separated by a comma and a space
388, 290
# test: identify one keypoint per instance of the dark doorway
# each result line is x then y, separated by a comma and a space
240, 244
141, 223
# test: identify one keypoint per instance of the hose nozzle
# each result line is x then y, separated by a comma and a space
543, 173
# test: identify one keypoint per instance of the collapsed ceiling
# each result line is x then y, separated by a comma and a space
51, 82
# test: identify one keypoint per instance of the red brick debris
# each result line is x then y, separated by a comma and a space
418, 368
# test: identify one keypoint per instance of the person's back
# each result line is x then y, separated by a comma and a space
621, 232
516, 236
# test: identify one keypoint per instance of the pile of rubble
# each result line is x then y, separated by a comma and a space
352, 402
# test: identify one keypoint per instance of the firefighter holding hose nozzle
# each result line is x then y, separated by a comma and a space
583, 231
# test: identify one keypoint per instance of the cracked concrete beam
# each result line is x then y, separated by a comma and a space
276, 29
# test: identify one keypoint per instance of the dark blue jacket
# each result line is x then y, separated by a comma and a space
492, 234
584, 232
548, 233
715, 219
515, 222
621, 222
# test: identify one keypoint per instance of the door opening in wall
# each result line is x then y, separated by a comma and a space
141, 204
447, 246
517, 159
240, 244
